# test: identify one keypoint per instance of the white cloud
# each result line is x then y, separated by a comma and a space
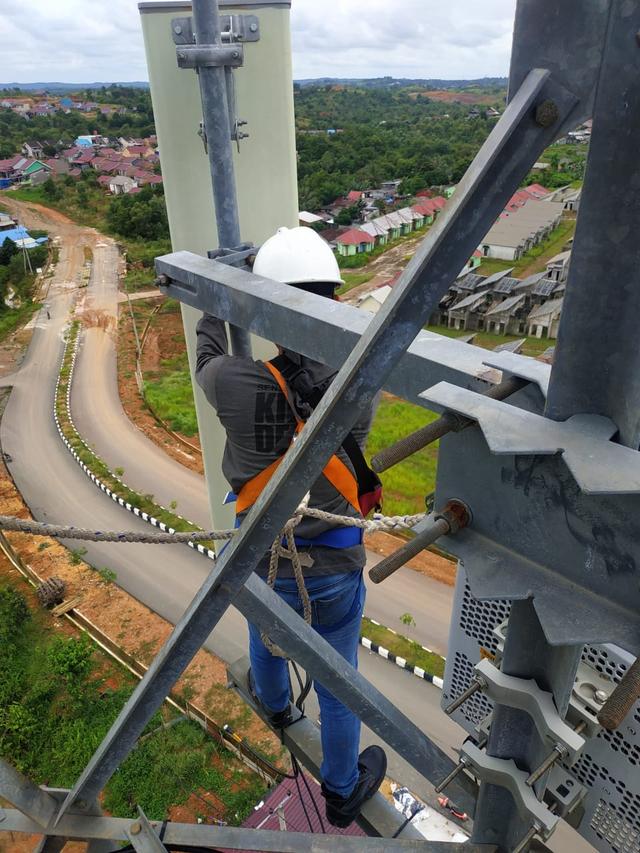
96, 40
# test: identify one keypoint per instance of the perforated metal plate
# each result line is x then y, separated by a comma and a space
610, 764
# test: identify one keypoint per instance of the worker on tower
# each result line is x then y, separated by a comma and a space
262, 405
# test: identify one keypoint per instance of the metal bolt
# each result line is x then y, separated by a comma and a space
80, 804
162, 281
253, 27
474, 687
555, 755
524, 843
600, 697
235, 54
135, 828
177, 29
547, 113
181, 55
449, 779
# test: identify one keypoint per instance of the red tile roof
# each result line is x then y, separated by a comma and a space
425, 208
354, 196
538, 190
85, 157
354, 237
286, 799
424, 194
439, 201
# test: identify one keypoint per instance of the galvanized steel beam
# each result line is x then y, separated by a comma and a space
235, 838
597, 361
500, 166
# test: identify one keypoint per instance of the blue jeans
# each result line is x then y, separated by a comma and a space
337, 607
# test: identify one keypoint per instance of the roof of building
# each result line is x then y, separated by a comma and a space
553, 306
560, 258
472, 301
515, 228
375, 230
354, 196
309, 218
439, 201
120, 181
354, 237
288, 801
506, 305
511, 346
379, 294
471, 281
19, 235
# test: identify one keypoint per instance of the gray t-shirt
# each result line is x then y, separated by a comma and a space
260, 426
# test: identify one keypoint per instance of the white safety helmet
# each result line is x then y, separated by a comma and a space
298, 256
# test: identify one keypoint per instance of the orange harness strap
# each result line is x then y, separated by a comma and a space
335, 470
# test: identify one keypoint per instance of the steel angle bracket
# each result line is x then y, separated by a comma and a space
556, 516
525, 695
210, 56
504, 773
235, 28
524, 367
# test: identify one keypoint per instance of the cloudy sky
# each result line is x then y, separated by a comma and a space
99, 40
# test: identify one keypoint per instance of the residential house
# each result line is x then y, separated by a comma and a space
355, 241
83, 160
412, 217
120, 185
568, 196
392, 226
6, 222
558, 266
58, 165
375, 230
546, 289
306, 218
33, 149
515, 232
144, 179
468, 314
391, 188
7, 167
507, 316
355, 197
70, 154
21, 238
374, 301
66, 103
544, 320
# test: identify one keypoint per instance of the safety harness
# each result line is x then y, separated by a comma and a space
363, 491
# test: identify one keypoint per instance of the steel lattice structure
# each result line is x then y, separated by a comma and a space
550, 476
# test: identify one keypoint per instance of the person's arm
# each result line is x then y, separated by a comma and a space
211, 350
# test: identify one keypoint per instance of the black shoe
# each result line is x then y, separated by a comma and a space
276, 719
341, 811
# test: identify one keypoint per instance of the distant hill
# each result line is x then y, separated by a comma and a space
70, 87
397, 82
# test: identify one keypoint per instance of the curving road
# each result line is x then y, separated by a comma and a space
166, 578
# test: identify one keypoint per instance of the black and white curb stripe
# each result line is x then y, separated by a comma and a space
401, 662
150, 519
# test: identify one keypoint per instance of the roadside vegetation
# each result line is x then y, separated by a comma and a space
59, 695
17, 284
145, 503
403, 647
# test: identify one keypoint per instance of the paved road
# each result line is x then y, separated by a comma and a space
57, 490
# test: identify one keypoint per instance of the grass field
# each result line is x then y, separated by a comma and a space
407, 484
532, 346
403, 647
170, 395
351, 280
60, 694
14, 318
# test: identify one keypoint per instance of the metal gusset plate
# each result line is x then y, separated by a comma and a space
538, 533
523, 367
